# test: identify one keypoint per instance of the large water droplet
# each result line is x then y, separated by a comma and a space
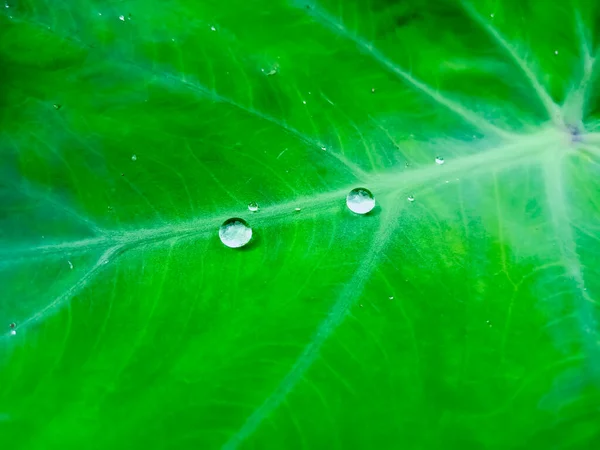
439, 160
235, 233
360, 201
253, 206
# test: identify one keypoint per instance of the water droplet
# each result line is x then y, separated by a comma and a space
122, 17
212, 28
324, 148
411, 198
556, 52
13, 332
391, 297
360, 201
133, 158
439, 160
492, 15
253, 206
297, 209
235, 233
57, 106
70, 265
13, 326
304, 101
373, 90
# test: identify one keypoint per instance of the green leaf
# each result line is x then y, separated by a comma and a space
465, 317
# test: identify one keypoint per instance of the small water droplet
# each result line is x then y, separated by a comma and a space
13, 326
297, 209
57, 106
13, 332
324, 148
133, 157
556, 52
70, 265
373, 90
122, 17
235, 233
360, 201
391, 297
492, 15
212, 28
253, 206
439, 160
411, 198
304, 101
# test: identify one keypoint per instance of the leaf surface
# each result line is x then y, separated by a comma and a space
462, 312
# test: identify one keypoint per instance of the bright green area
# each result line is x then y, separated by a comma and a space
466, 319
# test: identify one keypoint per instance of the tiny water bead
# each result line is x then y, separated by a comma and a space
411, 198
235, 233
133, 157
439, 160
360, 201
253, 207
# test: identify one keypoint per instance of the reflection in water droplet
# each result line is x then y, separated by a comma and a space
439, 160
411, 198
360, 201
133, 157
235, 233
253, 206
